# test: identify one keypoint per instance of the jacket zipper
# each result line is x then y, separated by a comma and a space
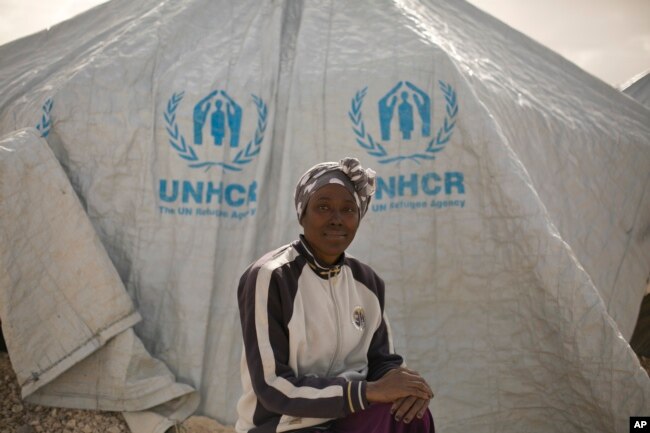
338, 324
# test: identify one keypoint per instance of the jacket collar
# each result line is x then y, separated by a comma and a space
322, 270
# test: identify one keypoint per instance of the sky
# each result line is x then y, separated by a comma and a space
610, 39
607, 38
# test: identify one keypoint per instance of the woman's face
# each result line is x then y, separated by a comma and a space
330, 222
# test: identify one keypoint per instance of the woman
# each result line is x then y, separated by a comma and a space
318, 354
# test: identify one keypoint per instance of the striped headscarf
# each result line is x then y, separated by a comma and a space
347, 172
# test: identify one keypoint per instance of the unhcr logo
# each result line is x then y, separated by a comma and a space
404, 115
402, 106
221, 116
216, 140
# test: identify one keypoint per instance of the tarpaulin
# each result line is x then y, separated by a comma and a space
510, 221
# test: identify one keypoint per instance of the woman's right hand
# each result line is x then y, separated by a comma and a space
396, 384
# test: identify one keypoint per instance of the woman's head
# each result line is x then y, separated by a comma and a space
331, 198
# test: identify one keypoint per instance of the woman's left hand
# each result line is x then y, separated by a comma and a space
407, 408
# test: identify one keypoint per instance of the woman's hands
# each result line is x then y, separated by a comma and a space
408, 408
406, 389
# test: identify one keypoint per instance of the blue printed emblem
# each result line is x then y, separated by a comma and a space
401, 109
45, 124
217, 121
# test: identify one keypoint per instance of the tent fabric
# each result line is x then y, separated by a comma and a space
639, 89
510, 221
580, 150
66, 314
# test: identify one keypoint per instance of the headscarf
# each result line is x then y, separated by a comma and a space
348, 173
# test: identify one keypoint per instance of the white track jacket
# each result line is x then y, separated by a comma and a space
313, 336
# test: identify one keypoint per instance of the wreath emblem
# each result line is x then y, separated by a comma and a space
185, 151
45, 124
377, 149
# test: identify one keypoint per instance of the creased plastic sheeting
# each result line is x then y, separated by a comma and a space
183, 127
587, 158
65, 314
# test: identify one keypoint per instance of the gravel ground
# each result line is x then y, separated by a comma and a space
17, 416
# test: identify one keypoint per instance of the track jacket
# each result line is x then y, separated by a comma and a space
313, 335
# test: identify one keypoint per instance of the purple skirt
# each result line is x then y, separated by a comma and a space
377, 419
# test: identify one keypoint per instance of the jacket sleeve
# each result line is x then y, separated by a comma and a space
381, 353
265, 304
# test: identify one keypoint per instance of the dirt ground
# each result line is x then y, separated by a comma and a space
17, 416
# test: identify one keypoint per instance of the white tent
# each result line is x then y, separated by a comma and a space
510, 225
639, 89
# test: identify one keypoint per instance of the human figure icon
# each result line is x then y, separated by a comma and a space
423, 104
218, 123
386, 110
200, 116
234, 113
405, 114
